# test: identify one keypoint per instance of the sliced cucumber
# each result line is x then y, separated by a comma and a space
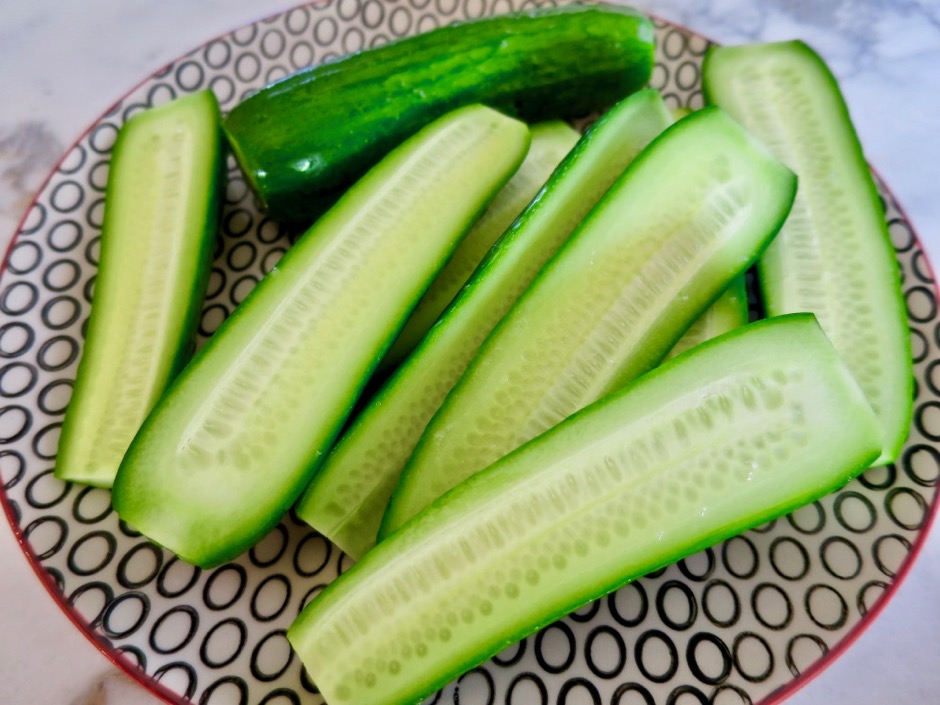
740, 430
348, 496
727, 313
551, 141
232, 444
688, 215
160, 220
833, 256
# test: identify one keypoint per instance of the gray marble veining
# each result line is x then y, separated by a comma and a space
28, 150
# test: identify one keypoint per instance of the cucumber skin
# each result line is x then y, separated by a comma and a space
192, 514
176, 346
435, 366
439, 462
454, 512
885, 272
534, 65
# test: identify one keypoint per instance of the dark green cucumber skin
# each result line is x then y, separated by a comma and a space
515, 259
303, 139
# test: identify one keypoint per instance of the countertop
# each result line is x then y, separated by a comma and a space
64, 63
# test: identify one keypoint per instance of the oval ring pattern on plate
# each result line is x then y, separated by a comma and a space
747, 619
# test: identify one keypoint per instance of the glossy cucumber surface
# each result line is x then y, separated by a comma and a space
160, 220
729, 311
303, 139
347, 498
231, 445
742, 429
833, 256
690, 213
551, 141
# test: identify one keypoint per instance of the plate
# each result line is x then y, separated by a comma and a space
746, 621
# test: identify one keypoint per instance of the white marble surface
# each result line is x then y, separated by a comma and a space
64, 62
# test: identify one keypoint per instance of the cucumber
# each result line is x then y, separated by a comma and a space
689, 214
740, 430
347, 497
303, 139
234, 441
834, 255
551, 141
727, 313
161, 214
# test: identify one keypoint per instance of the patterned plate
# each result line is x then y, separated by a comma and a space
742, 622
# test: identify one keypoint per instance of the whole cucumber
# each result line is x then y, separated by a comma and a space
305, 138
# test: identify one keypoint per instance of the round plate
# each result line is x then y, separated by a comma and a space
742, 622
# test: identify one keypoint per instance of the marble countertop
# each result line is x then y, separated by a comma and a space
66, 62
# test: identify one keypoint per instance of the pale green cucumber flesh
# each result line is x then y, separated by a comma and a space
551, 141
160, 220
348, 496
690, 213
834, 255
232, 444
729, 311
742, 429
